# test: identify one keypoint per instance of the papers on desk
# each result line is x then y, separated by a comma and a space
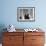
26, 30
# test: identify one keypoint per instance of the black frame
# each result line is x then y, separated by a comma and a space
27, 10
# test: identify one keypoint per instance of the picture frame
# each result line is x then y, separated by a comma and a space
26, 14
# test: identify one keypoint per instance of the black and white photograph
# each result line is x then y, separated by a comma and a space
26, 14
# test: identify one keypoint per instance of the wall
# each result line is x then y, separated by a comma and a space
9, 13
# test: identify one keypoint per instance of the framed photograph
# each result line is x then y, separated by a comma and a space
26, 14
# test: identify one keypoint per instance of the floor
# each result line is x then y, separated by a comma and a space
0, 44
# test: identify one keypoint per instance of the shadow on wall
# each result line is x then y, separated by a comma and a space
2, 26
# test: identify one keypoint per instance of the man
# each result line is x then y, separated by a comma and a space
26, 16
